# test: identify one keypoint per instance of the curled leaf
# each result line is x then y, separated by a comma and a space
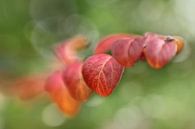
102, 73
67, 51
106, 43
159, 49
179, 42
128, 51
74, 82
59, 93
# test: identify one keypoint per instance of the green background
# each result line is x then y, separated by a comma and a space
144, 99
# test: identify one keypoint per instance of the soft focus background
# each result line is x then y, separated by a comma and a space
144, 99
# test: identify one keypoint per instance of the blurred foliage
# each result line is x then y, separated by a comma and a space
144, 99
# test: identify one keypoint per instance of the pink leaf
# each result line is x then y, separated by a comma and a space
102, 73
159, 50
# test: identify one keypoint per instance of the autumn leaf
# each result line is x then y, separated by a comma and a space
74, 82
28, 87
60, 95
128, 51
159, 50
106, 43
102, 73
67, 50
179, 41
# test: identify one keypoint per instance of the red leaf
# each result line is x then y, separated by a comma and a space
75, 84
159, 50
101, 73
59, 93
67, 51
106, 43
128, 51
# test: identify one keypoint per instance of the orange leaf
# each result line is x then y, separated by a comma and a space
28, 87
59, 93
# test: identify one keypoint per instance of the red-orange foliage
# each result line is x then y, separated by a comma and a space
73, 84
